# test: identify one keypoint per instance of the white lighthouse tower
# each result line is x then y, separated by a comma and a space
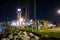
19, 17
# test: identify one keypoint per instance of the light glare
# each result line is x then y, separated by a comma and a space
59, 11
19, 9
21, 19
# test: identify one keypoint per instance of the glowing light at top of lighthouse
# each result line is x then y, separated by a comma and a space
19, 10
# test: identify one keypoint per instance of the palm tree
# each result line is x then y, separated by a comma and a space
27, 6
35, 10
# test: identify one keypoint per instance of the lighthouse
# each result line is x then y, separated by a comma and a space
19, 17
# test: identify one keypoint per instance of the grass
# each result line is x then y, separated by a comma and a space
50, 33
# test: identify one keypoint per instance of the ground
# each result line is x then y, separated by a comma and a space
51, 32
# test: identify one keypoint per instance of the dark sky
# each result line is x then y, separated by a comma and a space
46, 9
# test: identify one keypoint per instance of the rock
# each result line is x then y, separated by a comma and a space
10, 36
4, 39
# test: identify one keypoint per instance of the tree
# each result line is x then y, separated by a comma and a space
27, 6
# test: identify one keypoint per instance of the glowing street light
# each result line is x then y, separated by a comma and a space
19, 10
58, 11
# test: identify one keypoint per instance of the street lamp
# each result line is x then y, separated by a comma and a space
19, 10
58, 11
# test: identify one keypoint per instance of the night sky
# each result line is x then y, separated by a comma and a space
46, 9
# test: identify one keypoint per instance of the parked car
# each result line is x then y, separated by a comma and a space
51, 25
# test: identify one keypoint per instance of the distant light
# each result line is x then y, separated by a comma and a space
31, 20
13, 24
23, 23
59, 11
21, 19
19, 9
